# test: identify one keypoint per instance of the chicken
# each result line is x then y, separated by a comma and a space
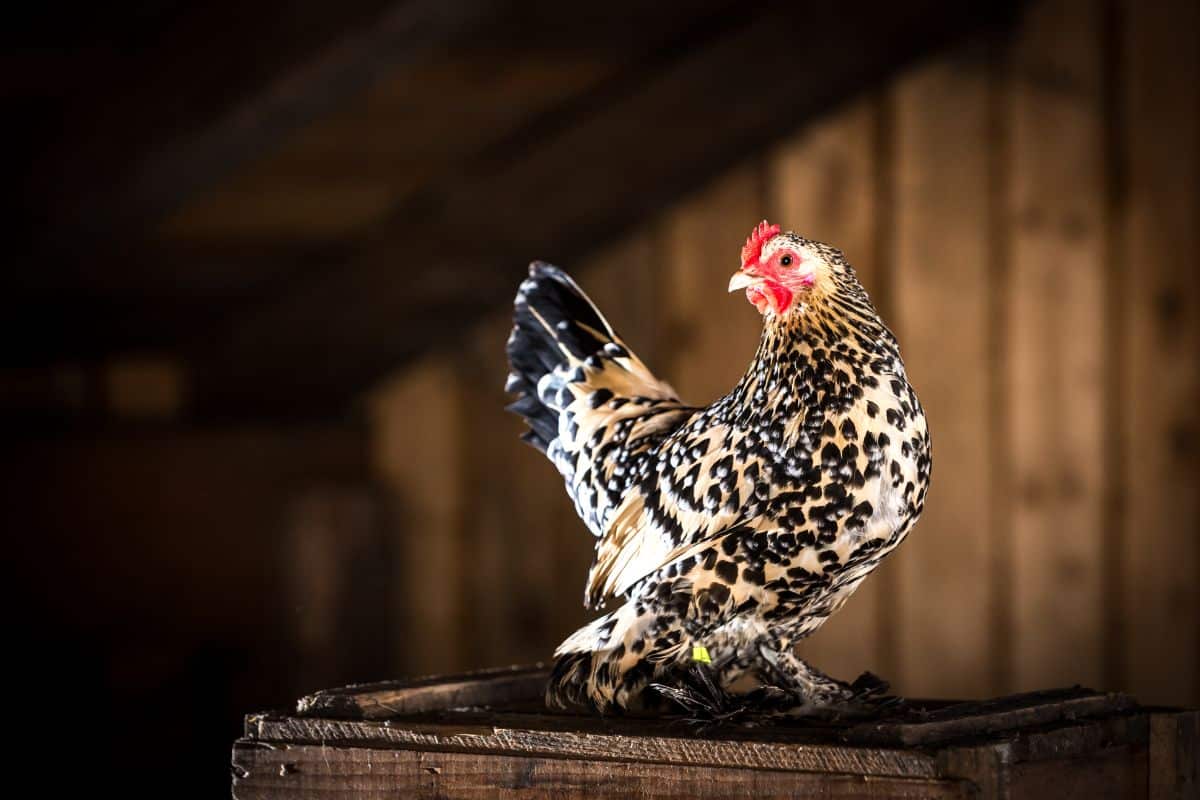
729, 532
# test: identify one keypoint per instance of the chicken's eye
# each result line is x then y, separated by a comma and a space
786, 261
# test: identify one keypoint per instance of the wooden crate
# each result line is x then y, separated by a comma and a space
487, 735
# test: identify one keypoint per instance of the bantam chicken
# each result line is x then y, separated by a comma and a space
729, 532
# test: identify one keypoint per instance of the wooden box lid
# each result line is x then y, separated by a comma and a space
461, 735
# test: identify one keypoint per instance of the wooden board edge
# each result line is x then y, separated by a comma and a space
315, 771
479, 736
989, 723
430, 693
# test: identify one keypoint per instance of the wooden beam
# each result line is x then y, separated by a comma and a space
279, 86
256, 231
562, 186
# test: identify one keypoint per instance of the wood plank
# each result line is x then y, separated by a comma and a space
1071, 739
1174, 756
416, 456
516, 523
624, 279
985, 767
316, 772
1113, 773
963, 720
159, 178
710, 335
491, 529
1069, 722
594, 739
1160, 298
347, 170
1067, 756
1056, 344
822, 184
509, 698
490, 593
940, 290
330, 557
392, 698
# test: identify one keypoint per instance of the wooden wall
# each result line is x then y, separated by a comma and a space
1025, 213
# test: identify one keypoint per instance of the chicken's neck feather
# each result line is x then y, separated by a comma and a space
825, 351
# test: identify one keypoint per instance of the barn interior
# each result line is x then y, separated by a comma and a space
264, 258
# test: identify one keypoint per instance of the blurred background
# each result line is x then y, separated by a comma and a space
254, 324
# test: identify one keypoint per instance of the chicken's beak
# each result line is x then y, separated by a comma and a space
741, 280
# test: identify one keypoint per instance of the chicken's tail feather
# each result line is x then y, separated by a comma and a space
586, 397
554, 324
607, 664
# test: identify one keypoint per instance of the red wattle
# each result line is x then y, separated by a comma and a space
781, 296
757, 299
769, 295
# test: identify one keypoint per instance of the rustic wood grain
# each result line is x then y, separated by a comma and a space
498, 694
497, 531
1160, 298
711, 335
1056, 761
347, 169
940, 291
332, 545
1047, 730
389, 699
983, 766
625, 281
1112, 773
417, 453
630, 741
517, 523
967, 719
318, 772
1174, 757
822, 184
1061, 743
1056, 344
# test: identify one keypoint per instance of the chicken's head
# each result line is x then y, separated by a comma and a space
778, 269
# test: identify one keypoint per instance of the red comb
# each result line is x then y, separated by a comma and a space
754, 243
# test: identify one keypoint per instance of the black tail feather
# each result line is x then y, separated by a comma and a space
551, 318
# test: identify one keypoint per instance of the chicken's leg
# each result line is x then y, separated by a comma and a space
802, 690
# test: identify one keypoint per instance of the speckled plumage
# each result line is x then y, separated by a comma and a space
740, 526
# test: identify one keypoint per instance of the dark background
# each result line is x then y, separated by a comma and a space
254, 314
